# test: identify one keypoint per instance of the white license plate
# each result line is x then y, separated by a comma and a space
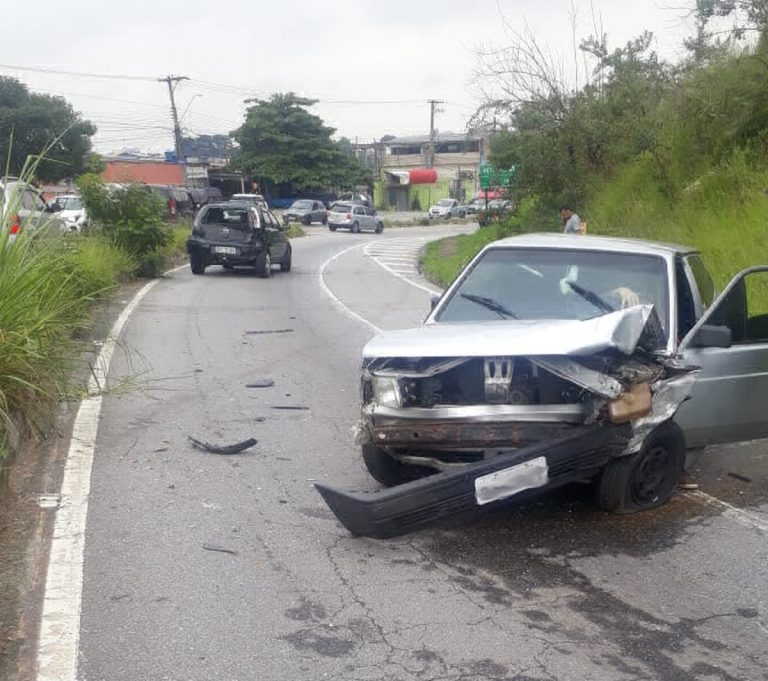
225, 250
508, 482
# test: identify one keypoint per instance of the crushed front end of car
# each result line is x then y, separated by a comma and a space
470, 415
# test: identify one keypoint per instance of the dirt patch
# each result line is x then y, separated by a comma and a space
35, 469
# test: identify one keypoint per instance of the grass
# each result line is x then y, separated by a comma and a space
296, 231
722, 214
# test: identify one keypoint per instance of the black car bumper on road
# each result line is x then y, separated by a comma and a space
405, 508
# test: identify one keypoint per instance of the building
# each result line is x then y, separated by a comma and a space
456, 161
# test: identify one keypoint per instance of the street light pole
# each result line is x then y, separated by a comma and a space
172, 82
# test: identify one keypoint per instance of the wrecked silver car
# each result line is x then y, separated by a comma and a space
553, 359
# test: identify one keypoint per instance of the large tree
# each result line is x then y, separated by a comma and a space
281, 142
30, 123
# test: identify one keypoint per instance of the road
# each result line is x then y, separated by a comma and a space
200, 566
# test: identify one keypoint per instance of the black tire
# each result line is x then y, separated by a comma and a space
227, 266
264, 265
355, 228
462, 215
196, 264
307, 220
332, 227
285, 263
645, 480
380, 228
325, 220
388, 472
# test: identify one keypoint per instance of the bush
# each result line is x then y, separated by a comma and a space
130, 217
151, 265
98, 264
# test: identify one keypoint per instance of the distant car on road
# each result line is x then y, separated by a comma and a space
447, 208
70, 209
237, 234
355, 218
306, 211
474, 206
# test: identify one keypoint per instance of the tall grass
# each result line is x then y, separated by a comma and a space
48, 284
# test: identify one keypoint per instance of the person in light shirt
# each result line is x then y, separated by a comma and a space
571, 221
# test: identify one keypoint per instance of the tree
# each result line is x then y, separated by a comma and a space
281, 142
38, 122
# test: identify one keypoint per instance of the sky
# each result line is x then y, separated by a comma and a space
372, 64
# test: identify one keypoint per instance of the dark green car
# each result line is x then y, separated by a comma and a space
238, 234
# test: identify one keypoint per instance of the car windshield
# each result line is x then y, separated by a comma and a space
556, 284
229, 217
445, 202
302, 204
69, 202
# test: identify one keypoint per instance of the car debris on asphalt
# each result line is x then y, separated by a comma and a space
222, 449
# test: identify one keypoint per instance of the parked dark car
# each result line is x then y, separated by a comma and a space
306, 211
234, 234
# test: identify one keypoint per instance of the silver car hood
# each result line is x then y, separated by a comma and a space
620, 330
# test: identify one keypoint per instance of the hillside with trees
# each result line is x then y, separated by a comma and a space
643, 147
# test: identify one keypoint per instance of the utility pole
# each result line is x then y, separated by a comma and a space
172, 82
432, 106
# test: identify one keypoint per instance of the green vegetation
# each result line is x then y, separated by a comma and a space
646, 149
36, 122
281, 143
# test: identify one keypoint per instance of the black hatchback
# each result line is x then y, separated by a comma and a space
237, 234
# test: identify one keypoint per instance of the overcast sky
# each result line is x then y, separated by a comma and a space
372, 63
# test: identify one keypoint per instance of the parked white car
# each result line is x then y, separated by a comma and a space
70, 209
447, 208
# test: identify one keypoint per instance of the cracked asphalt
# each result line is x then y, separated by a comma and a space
551, 590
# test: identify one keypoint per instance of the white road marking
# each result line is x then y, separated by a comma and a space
59, 639
378, 252
345, 309
730, 511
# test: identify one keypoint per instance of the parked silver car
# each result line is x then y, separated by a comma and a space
447, 208
22, 208
306, 211
355, 218
554, 359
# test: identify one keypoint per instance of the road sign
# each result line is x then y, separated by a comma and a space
487, 175
507, 176
490, 176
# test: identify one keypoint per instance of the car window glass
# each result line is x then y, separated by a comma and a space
273, 219
703, 281
686, 308
368, 211
359, 211
341, 208
533, 283
228, 217
31, 201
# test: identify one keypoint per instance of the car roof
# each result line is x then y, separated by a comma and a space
593, 243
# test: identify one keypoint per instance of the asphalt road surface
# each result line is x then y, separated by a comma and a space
200, 566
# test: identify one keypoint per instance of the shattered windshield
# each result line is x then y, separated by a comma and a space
558, 284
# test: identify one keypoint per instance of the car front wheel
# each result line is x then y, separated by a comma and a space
647, 479
386, 470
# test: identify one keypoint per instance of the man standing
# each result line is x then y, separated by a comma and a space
571, 221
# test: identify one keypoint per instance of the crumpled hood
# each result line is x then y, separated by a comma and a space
621, 330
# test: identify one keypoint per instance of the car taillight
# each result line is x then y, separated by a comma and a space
15, 225
349, 216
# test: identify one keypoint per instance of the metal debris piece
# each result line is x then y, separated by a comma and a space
219, 549
290, 407
743, 478
268, 331
261, 383
159, 450
47, 501
222, 449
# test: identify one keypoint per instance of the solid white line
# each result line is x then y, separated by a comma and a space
345, 309
57, 652
729, 511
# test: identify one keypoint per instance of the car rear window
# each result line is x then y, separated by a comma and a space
231, 217
342, 208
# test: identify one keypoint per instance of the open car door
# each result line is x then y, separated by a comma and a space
730, 345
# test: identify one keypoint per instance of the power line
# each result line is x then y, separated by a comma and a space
77, 74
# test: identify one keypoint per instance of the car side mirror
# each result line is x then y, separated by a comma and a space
434, 299
712, 337
52, 208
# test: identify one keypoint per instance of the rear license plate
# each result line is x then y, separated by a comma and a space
225, 250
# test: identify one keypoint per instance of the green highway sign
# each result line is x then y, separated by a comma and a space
490, 176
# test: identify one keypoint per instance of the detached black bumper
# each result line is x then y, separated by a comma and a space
416, 505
